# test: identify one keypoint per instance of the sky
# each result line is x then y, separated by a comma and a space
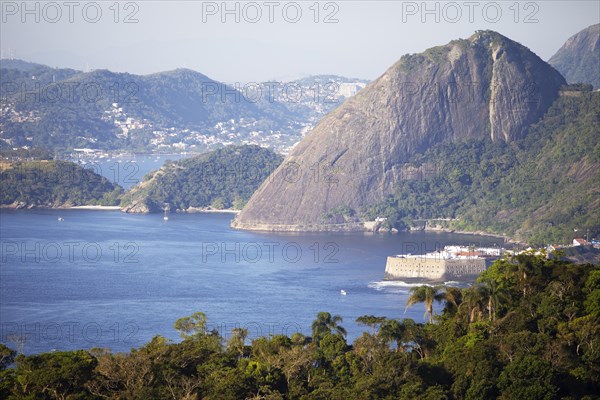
253, 41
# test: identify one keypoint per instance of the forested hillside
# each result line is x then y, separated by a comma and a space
224, 178
538, 189
47, 183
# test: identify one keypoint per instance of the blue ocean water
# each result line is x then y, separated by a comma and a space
108, 279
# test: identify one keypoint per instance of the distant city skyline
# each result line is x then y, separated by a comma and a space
260, 41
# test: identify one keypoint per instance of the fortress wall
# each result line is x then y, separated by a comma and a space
466, 267
432, 268
417, 267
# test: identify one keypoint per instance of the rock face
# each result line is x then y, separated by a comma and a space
579, 58
484, 85
138, 207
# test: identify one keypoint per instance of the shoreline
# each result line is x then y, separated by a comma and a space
192, 210
97, 208
114, 208
331, 228
359, 227
63, 207
508, 239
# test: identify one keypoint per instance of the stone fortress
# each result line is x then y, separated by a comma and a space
451, 263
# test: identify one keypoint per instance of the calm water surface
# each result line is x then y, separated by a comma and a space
108, 279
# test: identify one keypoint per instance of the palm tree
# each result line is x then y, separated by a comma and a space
525, 268
453, 297
474, 299
393, 331
495, 294
426, 294
325, 323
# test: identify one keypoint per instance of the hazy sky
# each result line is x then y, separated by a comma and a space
271, 39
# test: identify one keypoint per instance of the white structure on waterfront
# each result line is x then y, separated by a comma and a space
453, 262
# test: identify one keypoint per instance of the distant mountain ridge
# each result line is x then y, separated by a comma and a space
74, 107
579, 58
26, 66
176, 110
487, 86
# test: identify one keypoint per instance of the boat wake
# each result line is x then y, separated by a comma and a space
394, 286
404, 287
458, 284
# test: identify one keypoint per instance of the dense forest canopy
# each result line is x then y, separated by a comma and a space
224, 178
47, 183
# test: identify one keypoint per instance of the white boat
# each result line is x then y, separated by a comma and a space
343, 292
165, 218
60, 219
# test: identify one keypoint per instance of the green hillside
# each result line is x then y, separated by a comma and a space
224, 178
54, 184
538, 188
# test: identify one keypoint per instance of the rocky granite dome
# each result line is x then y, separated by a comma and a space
579, 58
487, 85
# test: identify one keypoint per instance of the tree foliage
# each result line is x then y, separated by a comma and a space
538, 188
55, 184
224, 178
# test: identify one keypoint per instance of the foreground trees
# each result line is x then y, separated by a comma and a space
528, 329
325, 324
426, 294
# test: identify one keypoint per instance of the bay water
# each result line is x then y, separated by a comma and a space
73, 279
